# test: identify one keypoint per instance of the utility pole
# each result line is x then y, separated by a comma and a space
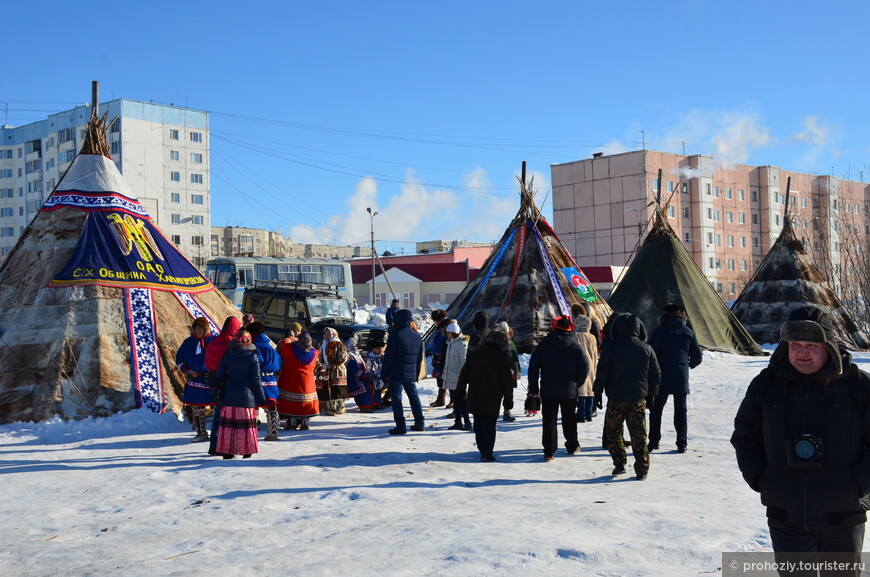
372, 216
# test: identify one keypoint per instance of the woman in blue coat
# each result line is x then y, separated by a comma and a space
190, 359
270, 365
677, 351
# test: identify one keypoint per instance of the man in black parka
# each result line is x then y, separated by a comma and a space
802, 437
563, 367
629, 373
677, 351
401, 369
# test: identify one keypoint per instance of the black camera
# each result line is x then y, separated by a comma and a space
805, 451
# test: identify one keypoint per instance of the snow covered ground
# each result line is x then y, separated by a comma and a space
130, 495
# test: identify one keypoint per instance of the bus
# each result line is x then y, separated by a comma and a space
233, 274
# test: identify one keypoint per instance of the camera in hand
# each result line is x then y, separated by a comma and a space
806, 451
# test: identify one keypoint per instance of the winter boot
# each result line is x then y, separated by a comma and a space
272, 419
290, 425
457, 425
508, 418
199, 425
439, 400
304, 426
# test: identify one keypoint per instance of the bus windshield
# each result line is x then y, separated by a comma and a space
223, 276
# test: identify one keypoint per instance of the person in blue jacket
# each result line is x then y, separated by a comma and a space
677, 351
403, 360
270, 365
190, 359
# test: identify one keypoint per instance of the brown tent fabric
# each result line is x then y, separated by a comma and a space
515, 284
786, 280
65, 350
662, 273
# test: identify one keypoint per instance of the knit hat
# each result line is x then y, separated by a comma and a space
243, 337
481, 320
813, 325
256, 328
247, 319
672, 308
296, 327
563, 323
453, 327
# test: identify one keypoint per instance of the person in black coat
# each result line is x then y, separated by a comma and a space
563, 367
802, 438
241, 394
677, 351
484, 380
629, 373
401, 369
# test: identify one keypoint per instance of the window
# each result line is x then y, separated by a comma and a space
49, 163
718, 241
65, 156
709, 189
718, 264
176, 239
7, 231
719, 287
175, 176
685, 188
744, 264
741, 194
198, 220
709, 214
716, 191
196, 240
755, 219
7, 212
743, 241
731, 267
173, 134
756, 242
196, 198
730, 240
175, 218
857, 209
175, 197
754, 196
655, 185
196, 157
196, 178
174, 155
731, 288
710, 262
709, 238
65, 135
716, 215
670, 186
7, 193
728, 192
6, 153
670, 212
729, 217
741, 218
115, 147
6, 173
776, 219
196, 136
686, 237
685, 212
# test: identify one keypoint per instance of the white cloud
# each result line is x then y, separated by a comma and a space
730, 137
813, 133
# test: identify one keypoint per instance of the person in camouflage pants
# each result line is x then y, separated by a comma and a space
633, 415
628, 372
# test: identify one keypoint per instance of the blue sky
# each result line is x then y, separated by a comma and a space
424, 111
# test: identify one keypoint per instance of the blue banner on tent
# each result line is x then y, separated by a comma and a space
122, 250
580, 283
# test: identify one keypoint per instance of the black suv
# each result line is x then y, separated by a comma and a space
315, 307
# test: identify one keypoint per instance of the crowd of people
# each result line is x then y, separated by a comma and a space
239, 372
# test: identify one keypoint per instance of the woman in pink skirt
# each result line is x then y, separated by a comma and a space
241, 394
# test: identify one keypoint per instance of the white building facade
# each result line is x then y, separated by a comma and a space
162, 152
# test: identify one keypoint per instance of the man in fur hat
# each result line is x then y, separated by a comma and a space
802, 437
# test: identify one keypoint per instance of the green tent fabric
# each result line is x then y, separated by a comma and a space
663, 272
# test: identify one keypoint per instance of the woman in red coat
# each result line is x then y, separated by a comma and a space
297, 391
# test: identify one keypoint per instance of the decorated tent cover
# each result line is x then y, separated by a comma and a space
663, 272
96, 301
785, 280
527, 280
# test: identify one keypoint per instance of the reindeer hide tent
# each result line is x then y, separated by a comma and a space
95, 301
529, 279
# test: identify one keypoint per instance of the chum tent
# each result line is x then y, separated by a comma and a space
529, 279
786, 280
95, 300
663, 272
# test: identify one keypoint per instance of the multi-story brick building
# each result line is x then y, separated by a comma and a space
727, 217
162, 151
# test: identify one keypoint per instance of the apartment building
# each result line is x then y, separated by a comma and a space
162, 152
726, 216
242, 241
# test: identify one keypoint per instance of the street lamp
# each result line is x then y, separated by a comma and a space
637, 214
372, 216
